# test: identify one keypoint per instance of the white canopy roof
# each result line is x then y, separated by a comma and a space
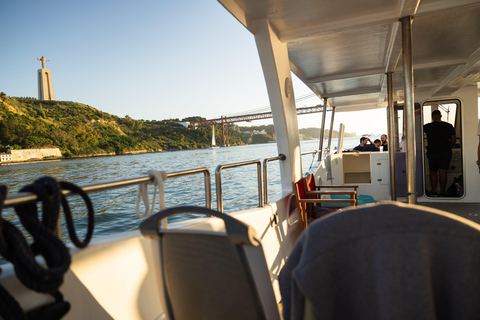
342, 48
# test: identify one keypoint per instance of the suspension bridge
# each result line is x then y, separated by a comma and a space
250, 116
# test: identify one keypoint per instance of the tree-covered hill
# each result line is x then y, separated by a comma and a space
78, 129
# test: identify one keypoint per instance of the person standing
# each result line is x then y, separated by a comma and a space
384, 139
440, 138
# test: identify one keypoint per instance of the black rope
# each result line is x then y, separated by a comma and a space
56, 255
14, 247
9, 307
68, 214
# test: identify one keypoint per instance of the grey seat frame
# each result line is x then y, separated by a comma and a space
209, 274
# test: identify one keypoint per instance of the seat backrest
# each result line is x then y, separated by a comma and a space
212, 275
384, 261
300, 194
301, 188
310, 183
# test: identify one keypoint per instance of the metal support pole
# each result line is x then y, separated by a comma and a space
409, 111
391, 134
322, 130
330, 134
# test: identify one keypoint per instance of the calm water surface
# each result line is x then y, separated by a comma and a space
115, 210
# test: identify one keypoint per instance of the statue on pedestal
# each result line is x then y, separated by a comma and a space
45, 87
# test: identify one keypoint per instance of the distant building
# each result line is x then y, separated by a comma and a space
5, 157
185, 124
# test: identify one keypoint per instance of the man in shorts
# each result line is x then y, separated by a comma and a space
440, 139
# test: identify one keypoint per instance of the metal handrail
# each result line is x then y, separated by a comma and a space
218, 181
23, 197
311, 152
265, 173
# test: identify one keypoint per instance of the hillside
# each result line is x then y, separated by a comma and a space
78, 129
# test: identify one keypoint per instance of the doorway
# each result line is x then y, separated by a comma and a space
450, 111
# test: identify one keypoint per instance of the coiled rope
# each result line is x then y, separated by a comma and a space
68, 214
14, 247
9, 307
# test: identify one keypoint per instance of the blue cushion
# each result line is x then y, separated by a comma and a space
362, 199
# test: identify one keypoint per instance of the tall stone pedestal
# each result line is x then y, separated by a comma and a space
45, 87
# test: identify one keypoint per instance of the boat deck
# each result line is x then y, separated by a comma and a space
470, 211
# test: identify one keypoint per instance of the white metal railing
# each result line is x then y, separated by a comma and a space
265, 173
218, 181
23, 197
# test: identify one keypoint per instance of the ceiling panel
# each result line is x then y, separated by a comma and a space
343, 48
341, 52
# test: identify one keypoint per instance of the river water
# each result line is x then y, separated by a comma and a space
115, 210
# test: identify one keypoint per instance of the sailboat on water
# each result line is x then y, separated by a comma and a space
214, 145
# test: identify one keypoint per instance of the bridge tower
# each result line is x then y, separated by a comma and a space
225, 131
45, 87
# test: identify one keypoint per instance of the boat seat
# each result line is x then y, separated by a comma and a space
308, 195
384, 261
316, 191
209, 274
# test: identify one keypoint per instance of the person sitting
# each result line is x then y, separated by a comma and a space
377, 143
361, 146
384, 139
370, 147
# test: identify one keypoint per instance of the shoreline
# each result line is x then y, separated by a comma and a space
105, 154
83, 156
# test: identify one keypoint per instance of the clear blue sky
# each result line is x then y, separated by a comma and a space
146, 59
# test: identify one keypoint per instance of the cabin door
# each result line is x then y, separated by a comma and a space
399, 145
451, 113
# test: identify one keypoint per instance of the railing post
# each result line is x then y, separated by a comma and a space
260, 185
330, 133
208, 189
265, 174
218, 181
409, 109
218, 187
322, 130
391, 135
